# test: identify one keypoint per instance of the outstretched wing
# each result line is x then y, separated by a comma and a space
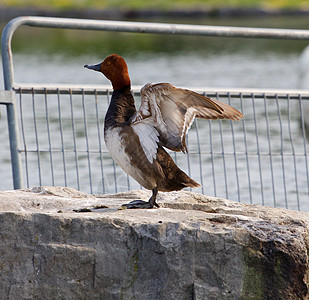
172, 110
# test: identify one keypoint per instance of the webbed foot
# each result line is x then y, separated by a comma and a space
139, 204
143, 204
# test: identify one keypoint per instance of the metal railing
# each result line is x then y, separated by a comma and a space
56, 134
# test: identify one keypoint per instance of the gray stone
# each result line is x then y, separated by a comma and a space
193, 247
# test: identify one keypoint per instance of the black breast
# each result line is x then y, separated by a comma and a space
121, 108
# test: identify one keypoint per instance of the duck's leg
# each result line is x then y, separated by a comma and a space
144, 204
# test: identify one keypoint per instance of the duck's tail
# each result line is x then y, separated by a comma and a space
186, 181
191, 183
172, 178
181, 180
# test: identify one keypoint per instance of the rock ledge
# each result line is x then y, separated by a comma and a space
193, 247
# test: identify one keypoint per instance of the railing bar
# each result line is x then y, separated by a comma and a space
223, 156
36, 139
42, 150
246, 149
74, 141
293, 151
99, 139
223, 160
235, 153
212, 159
199, 155
87, 142
253, 153
301, 113
157, 28
270, 94
175, 156
49, 140
24, 138
282, 157
258, 149
128, 182
188, 158
62, 141
270, 154
219, 153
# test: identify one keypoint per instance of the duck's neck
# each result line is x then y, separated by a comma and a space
121, 108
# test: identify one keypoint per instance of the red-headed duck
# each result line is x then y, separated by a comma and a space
136, 139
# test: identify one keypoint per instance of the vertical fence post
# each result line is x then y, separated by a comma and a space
8, 76
14, 145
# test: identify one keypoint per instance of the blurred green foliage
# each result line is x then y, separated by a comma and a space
84, 42
157, 4
78, 42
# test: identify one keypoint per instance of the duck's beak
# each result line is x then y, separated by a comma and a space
94, 67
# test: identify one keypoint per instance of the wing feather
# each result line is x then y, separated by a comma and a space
148, 137
172, 111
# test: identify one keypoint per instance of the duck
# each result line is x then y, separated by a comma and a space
137, 139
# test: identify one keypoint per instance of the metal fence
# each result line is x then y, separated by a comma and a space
56, 134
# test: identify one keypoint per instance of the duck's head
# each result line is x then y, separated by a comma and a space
115, 69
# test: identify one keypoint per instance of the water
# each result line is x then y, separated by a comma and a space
242, 67
240, 70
